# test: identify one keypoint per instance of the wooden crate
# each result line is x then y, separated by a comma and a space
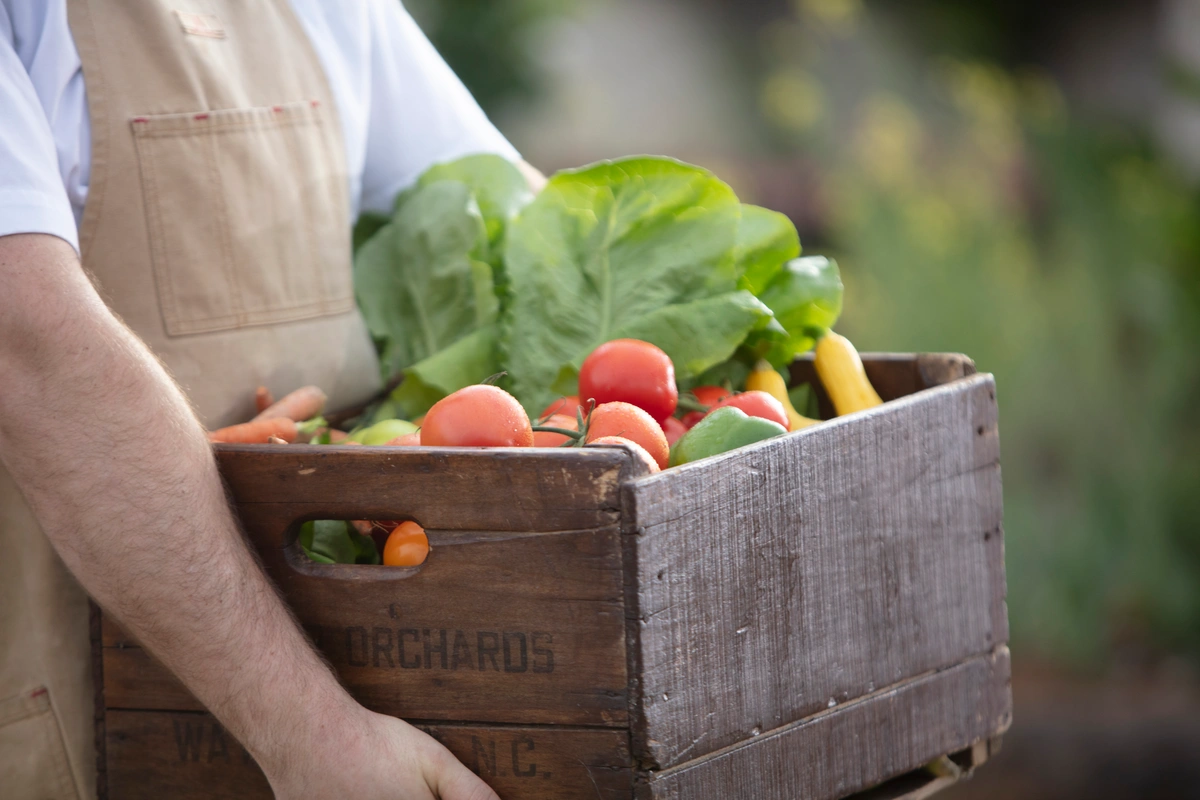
808, 617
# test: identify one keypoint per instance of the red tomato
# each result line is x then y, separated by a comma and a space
407, 546
547, 439
563, 405
477, 416
630, 371
691, 418
757, 404
710, 395
638, 450
674, 429
629, 421
407, 440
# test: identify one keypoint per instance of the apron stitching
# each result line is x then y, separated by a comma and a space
166, 129
336, 284
319, 282
235, 295
84, 36
300, 313
66, 777
168, 304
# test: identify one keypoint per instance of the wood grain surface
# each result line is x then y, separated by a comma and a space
857, 745
447, 488
501, 628
814, 568
188, 756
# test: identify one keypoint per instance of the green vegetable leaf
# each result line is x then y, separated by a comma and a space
806, 296
368, 224
703, 333
766, 241
467, 361
599, 249
731, 373
498, 186
804, 400
309, 426
337, 542
420, 281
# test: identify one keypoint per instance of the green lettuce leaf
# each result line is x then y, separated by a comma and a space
806, 296
421, 281
766, 241
469, 360
696, 335
599, 249
498, 186
700, 334
731, 373
334, 541
368, 224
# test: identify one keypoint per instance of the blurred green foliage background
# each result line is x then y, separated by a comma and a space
974, 208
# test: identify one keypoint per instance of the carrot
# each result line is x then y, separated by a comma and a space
263, 399
304, 403
257, 432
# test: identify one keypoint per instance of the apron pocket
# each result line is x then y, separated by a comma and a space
33, 758
246, 215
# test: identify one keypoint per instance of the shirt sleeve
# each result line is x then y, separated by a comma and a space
421, 114
32, 196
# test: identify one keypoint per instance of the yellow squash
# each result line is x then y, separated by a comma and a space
841, 373
764, 378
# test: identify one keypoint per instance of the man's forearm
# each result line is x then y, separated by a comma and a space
121, 477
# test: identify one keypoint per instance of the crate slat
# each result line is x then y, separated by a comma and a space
854, 747
814, 568
189, 756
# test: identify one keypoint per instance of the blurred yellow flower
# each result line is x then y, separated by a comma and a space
888, 141
987, 96
837, 14
793, 100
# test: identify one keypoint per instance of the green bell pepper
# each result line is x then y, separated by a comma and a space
722, 430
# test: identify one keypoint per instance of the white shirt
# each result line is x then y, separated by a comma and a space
402, 109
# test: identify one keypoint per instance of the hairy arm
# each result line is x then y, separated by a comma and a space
122, 479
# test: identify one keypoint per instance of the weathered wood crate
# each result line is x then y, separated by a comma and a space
807, 617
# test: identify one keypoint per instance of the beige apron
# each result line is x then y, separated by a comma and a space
217, 227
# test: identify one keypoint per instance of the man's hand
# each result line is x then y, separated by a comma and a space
391, 760
121, 477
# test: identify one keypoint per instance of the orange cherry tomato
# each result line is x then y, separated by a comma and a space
407, 546
547, 439
477, 416
629, 421
674, 429
638, 450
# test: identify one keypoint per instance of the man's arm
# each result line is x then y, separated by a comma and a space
122, 479
533, 176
